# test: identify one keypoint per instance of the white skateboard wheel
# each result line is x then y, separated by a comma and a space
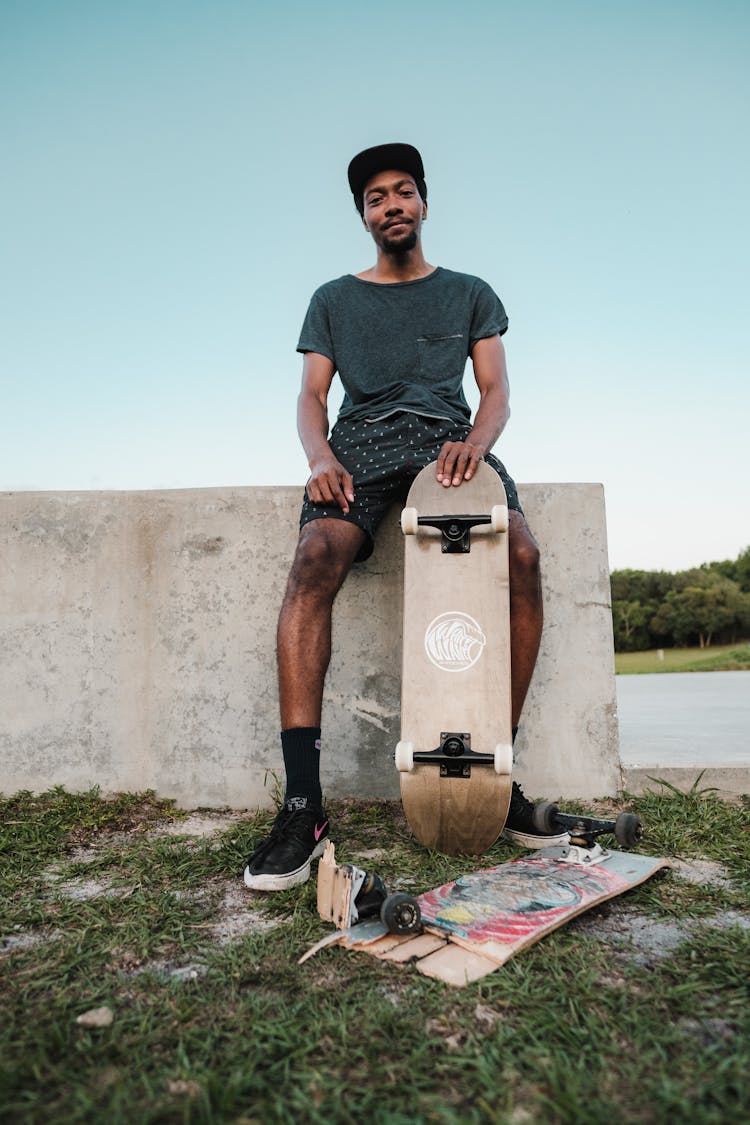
503, 758
409, 521
499, 517
404, 756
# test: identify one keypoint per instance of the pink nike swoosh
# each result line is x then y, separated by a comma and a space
318, 831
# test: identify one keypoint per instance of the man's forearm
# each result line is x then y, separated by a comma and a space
329, 481
490, 419
312, 427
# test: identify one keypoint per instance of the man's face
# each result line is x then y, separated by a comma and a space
393, 211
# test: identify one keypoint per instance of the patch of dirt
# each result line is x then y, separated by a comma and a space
235, 918
643, 940
81, 890
148, 820
702, 871
184, 1088
87, 853
728, 918
205, 822
199, 824
451, 1040
26, 939
486, 1017
708, 1032
137, 817
174, 971
130, 965
371, 853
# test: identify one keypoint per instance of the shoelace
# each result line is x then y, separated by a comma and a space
285, 826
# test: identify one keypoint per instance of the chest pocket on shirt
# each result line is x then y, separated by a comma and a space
441, 356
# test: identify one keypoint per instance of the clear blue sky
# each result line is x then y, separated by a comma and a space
174, 189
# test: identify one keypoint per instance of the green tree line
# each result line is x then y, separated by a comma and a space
660, 609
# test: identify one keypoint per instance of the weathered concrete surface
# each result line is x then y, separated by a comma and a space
137, 639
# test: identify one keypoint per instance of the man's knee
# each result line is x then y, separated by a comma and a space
524, 554
324, 555
526, 558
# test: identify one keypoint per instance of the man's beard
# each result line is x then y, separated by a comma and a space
400, 245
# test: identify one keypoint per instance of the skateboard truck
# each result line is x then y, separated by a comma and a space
348, 895
454, 529
627, 829
454, 755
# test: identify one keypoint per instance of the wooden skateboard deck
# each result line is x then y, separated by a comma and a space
456, 663
475, 924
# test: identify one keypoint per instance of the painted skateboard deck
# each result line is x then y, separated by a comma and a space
455, 692
475, 924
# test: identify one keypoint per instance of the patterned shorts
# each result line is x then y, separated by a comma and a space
384, 456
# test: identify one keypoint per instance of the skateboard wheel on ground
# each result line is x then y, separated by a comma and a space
628, 829
409, 521
405, 757
503, 758
544, 817
499, 517
400, 914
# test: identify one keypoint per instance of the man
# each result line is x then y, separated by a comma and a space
399, 335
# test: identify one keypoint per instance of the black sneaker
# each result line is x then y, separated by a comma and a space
297, 837
520, 828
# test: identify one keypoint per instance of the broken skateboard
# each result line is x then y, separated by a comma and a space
455, 754
347, 895
476, 923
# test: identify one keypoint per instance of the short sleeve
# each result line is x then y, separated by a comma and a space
316, 329
488, 318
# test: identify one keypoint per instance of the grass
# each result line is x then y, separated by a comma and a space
110, 903
717, 658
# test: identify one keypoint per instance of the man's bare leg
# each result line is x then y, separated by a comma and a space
526, 617
325, 553
526, 610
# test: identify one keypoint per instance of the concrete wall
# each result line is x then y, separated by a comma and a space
137, 637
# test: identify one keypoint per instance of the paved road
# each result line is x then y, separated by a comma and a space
684, 719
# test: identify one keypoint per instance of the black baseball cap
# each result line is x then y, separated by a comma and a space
366, 164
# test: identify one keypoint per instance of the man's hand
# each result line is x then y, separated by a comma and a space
330, 483
458, 461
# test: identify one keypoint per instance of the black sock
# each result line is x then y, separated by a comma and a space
301, 749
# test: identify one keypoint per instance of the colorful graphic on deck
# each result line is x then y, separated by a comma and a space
516, 899
454, 642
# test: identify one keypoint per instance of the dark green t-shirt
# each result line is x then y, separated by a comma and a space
402, 346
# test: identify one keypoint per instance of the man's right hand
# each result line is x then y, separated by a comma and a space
330, 483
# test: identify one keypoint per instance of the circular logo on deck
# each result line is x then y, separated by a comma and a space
454, 642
